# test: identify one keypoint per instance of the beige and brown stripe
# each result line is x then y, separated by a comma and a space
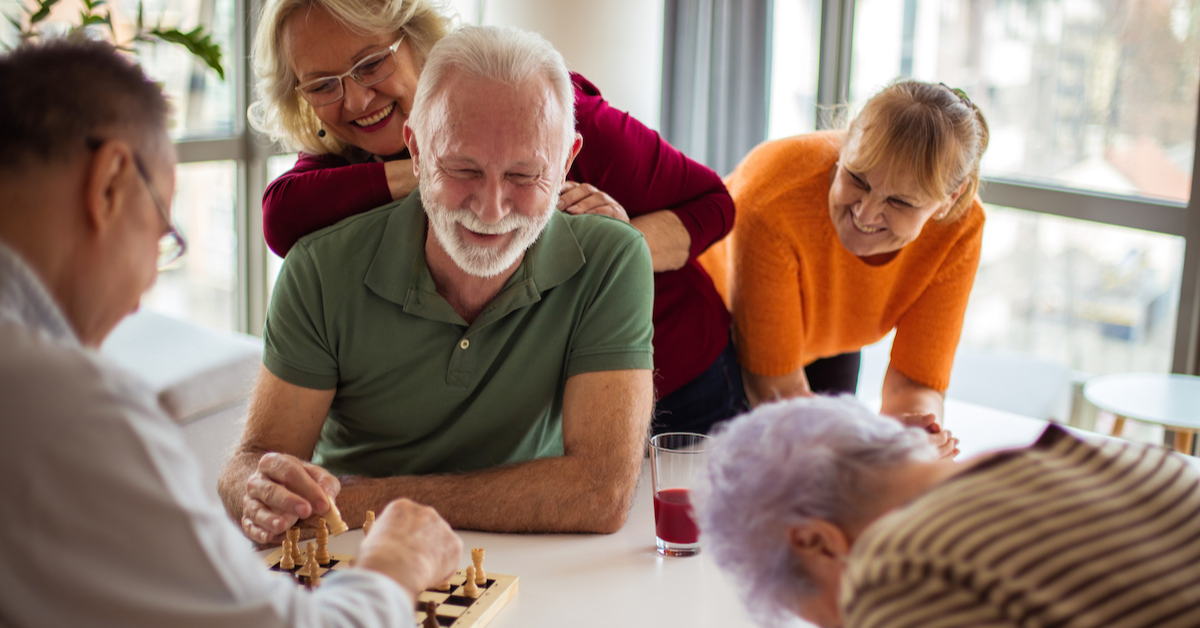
1066, 533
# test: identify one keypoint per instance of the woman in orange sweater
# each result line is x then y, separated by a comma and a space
842, 236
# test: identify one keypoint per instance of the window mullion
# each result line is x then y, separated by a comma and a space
833, 77
1187, 322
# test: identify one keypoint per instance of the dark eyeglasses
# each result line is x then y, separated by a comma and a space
372, 69
172, 245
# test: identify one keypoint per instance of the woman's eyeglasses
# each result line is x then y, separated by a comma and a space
372, 69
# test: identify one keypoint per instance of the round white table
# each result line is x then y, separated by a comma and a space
1167, 399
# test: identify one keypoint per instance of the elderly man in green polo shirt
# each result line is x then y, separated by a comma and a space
468, 347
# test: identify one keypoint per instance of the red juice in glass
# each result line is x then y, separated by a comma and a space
673, 518
676, 461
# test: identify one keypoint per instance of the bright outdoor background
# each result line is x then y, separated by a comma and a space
1088, 95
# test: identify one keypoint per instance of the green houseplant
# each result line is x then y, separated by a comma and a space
96, 15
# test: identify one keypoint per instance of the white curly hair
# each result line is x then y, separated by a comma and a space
784, 463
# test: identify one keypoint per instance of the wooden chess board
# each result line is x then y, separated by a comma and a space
455, 610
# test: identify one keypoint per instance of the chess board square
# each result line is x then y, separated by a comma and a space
450, 610
436, 596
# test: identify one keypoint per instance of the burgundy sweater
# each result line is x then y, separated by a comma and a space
620, 156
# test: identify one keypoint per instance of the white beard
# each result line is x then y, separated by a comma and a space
481, 261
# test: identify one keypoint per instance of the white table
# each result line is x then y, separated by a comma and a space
598, 581
1168, 399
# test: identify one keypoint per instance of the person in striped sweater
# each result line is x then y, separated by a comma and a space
824, 510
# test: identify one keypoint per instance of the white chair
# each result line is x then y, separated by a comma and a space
203, 377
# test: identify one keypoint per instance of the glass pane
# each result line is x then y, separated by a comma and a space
203, 104
1091, 94
795, 48
1094, 297
202, 286
276, 165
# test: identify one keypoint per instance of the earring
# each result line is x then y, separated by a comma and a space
321, 133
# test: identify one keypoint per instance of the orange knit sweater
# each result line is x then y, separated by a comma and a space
798, 295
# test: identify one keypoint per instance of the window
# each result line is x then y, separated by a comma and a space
202, 286
1092, 108
795, 50
1085, 94
209, 284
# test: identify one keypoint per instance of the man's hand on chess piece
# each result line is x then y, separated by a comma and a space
411, 544
282, 491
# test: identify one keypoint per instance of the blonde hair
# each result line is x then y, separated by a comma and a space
279, 112
935, 131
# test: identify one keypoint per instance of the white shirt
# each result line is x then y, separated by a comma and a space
105, 520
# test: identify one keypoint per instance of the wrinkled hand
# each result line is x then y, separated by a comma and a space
945, 442
411, 544
584, 198
282, 491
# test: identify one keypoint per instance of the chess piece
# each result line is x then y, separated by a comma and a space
445, 586
469, 589
334, 517
286, 562
430, 615
477, 558
368, 522
322, 544
293, 537
314, 570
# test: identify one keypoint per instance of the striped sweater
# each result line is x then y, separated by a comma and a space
1065, 533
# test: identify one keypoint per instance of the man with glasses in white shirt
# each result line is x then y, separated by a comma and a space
107, 521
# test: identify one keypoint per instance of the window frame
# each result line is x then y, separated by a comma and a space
1159, 216
250, 153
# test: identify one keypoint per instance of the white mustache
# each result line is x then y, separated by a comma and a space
508, 224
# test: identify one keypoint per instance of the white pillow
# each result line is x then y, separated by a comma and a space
194, 369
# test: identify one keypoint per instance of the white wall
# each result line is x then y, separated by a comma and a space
616, 44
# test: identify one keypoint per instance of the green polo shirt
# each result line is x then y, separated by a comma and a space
418, 389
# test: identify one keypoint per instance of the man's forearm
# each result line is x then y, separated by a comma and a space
546, 495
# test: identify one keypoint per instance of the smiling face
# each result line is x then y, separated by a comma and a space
490, 173
879, 211
371, 118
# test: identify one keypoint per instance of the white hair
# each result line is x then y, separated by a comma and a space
780, 465
503, 54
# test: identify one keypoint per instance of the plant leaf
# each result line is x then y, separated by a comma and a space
197, 41
42, 12
88, 20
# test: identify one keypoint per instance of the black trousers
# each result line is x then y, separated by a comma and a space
835, 374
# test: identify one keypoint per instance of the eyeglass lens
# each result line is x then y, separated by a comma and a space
170, 249
368, 72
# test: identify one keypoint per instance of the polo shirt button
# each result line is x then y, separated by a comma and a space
464, 343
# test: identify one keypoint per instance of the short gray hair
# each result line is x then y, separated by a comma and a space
504, 54
64, 91
780, 465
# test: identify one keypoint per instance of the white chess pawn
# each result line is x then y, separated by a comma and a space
286, 562
469, 589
